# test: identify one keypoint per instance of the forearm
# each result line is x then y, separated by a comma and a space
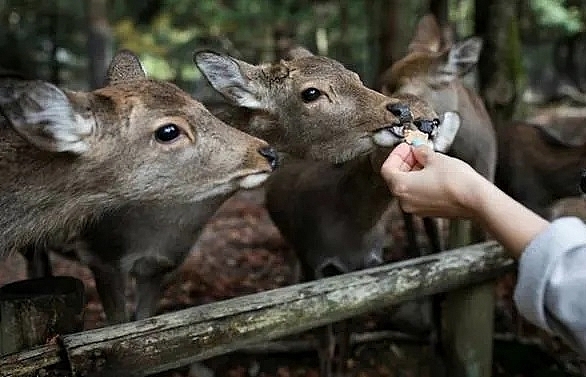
509, 222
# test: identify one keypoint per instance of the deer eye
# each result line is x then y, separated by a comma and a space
310, 94
167, 133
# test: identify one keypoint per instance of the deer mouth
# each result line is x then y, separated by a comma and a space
389, 135
252, 181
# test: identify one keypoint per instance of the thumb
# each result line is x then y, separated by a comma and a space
423, 154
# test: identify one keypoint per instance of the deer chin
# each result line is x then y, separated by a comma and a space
385, 137
252, 181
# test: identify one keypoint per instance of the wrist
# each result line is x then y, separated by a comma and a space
472, 195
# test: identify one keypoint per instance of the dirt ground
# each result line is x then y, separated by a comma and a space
241, 252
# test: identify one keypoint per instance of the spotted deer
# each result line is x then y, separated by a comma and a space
326, 200
433, 69
67, 158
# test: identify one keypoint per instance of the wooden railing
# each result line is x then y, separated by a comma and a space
175, 339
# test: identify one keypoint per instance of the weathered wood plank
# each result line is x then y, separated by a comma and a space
35, 310
171, 340
28, 362
175, 339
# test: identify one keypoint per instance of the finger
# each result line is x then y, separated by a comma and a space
400, 159
422, 154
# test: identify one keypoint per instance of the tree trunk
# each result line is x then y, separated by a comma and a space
99, 41
383, 32
439, 8
500, 68
54, 34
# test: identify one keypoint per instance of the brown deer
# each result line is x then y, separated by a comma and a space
309, 107
541, 163
433, 69
68, 157
329, 214
326, 209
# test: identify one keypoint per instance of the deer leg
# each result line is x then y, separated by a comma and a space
412, 246
111, 287
38, 264
433, 234
343, 342
325, 350
150, 273
148, 293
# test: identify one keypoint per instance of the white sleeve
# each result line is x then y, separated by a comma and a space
551, 285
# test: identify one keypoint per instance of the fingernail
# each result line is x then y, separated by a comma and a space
416, 143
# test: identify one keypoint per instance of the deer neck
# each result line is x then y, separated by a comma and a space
363, 187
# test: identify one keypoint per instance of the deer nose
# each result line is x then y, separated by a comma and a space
271, 155
426, 126
401, 111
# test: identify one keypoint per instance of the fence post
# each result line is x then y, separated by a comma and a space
467, 319
34, 311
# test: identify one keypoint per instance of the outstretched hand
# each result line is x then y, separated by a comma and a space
429, 183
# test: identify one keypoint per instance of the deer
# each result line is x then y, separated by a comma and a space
308, 107
309, 178
310, 201
434, 69
540, 163
329, 214
69, 157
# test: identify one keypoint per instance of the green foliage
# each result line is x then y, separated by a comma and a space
554, 13
45, 37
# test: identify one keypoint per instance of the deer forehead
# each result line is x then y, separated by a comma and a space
321, 69
145, 101
152, 94
419, 66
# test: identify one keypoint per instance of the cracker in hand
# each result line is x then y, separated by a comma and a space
415, 137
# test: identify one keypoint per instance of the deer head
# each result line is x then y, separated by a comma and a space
432, 70
66, 154
433, 60
309, 106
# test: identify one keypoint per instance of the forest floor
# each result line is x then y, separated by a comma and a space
241, 252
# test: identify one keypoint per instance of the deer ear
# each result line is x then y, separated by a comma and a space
125, 66
427, 36
42, 114
230, 77
464, 56
449, 125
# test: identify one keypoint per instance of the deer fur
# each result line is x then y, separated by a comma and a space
149, 241
326, 206
68, 157
541, 163
433, 69
330, 214
82, 167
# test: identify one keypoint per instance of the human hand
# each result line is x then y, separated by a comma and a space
432, 184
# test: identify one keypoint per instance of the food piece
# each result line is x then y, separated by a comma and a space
415, 137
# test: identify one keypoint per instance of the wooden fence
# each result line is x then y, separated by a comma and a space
175, 339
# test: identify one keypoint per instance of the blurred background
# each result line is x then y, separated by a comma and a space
534, 57
70, 42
